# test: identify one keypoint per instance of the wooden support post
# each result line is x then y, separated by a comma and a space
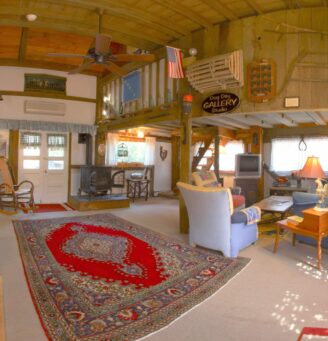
99, 159
69, 165
175, 162
185, 162
217, 156
13, 151
256, 147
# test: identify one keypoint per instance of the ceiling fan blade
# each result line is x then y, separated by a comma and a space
81, 68
114, 68
68, 55
102, 43
134, 57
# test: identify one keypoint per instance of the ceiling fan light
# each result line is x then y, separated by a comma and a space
31, 17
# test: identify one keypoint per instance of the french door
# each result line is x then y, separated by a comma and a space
43, 158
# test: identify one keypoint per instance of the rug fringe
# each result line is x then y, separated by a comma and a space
197, 305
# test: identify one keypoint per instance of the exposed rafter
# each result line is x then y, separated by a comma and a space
186, 12
222, 9
255, 6
317, 118
284, 119
23, 44
131, 13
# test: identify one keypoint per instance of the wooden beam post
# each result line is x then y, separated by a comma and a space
13, 151
185, 162
101, 136
217, 156
175, 162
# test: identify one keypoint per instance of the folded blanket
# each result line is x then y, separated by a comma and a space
253, 214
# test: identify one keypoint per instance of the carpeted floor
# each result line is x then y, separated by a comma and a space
99, 276
273, 298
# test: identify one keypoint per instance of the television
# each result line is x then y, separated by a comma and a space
248, 166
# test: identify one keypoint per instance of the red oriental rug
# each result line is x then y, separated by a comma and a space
99, 277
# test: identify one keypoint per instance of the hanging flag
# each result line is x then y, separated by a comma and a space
174, 58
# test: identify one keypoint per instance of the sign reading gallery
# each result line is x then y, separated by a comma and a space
221, 103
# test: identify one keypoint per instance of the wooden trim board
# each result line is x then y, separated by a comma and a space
2, 314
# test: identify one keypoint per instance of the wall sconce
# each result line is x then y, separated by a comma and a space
162, 153
1, 98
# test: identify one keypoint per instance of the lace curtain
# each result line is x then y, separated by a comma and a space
286, 156
150, 151
111, 142
56, 140
30, 139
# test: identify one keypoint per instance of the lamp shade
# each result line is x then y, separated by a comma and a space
312, 169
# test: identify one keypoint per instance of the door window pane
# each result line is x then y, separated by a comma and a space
31, 164
56, 164
31, 151
56, 152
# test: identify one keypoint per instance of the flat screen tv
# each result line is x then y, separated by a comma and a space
248, 166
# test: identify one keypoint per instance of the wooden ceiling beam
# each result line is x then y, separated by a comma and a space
43, 65
177, 7
221, 9
112, 7
317, 118
284, 119
119, 34
23, 44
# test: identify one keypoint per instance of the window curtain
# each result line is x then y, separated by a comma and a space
30, 139
150, 151
286, 155
56, 140
111, 142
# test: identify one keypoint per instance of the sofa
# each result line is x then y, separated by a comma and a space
302, 201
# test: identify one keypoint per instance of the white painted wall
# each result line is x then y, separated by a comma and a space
12, 107
163, 176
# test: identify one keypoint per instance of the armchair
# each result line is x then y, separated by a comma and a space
12, 194
210, 222
209, 179
302, 201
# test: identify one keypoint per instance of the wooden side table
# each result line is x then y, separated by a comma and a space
314, 225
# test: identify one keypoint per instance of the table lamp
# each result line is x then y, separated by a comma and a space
313, 170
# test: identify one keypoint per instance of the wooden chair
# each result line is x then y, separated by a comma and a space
17, 196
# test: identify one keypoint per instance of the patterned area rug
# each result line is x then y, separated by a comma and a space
99, 277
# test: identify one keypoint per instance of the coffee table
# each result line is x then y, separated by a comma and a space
276, 204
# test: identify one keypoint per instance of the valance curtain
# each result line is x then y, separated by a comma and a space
286, 155
150, 150
47, 126
57, 141
30, 139
111, 142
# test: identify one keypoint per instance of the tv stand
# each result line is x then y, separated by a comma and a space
249, 189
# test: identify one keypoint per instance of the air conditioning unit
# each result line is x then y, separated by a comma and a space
44, 108
216, 73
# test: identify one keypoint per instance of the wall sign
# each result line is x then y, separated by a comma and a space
42, 82
221, 103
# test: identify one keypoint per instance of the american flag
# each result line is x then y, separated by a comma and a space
174, 58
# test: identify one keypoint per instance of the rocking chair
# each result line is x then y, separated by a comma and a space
17, 196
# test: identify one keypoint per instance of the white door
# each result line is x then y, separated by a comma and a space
43, 160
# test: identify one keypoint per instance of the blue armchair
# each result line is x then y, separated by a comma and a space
210, 222
302, 201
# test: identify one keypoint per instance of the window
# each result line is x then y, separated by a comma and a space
227, 160
130, 151
31, 144
286, 155
56, 151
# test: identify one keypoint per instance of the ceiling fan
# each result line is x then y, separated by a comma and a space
100, 53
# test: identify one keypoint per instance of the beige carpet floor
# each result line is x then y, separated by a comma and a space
271, 299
